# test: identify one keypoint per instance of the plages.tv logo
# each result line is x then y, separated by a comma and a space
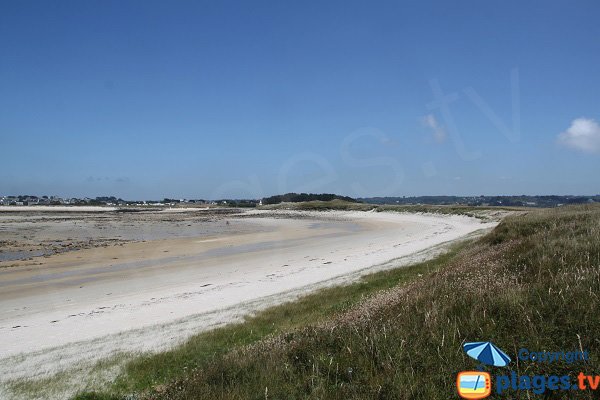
478, 384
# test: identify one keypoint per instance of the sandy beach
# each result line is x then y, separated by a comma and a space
166, 276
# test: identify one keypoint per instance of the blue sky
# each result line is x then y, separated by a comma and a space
205, 99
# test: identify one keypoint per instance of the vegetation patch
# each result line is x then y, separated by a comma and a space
482, 212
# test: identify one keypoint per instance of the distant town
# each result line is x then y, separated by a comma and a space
29, 200
500, 201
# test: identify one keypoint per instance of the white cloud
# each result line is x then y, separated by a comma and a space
439, 132
582, 135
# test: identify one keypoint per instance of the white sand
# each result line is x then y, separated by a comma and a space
87, 305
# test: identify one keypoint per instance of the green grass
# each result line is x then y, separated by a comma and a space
317, 205
478, 212
151, 371
533, 282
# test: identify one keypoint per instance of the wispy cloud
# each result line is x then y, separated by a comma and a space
583, 135
439, 132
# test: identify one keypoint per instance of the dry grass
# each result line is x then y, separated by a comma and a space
477, 212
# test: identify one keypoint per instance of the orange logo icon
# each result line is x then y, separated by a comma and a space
473, 384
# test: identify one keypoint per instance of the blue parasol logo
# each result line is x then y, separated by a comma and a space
486, 353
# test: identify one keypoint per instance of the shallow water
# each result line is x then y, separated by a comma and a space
34, 236
22, 255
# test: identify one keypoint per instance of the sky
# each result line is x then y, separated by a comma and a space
245, 99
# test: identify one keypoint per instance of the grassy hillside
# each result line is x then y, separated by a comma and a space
533, 282
317, 205
342, 205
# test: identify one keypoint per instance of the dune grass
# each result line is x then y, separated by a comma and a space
318, 205
342, 205
533, 282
